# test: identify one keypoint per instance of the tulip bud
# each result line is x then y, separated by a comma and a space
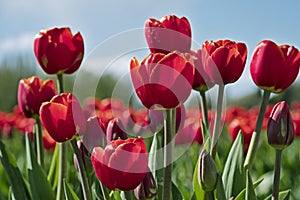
147, 188
208, 172
115, 130
280, 126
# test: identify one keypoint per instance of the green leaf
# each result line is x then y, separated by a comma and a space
156, 158
220, 192
199, 192
241, 195
18, 185
39, 185
234, 178
250, 193
69, 192
176, 194
53, 171
116, 195
283, 195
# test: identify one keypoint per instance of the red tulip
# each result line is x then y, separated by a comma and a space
224, 60
122, 164
201, 79
32, 92
162, 81
273, 67
58, 50
168, 34
94, 135
115, 130
63, 117
244, 125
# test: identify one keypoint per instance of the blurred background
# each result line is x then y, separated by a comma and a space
103, 23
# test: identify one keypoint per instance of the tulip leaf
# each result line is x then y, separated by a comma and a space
241, 195
53, 172
234, 178
19, 189
39, 185
250, 193
176, 194
69, 192
155, 156
199, 192
283, 195
220, 192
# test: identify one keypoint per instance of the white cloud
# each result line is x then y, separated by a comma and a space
17, 45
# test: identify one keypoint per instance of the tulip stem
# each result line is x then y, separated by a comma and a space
209, 195
62, 169
169, 131
82, 172
204, 109
128, 195
104, 191
217, 123
256, 134
39, 142
276, 175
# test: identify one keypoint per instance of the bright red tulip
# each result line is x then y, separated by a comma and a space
244, 125
32, 92
168, 34
58, 50
63, 117
273, 67
201, 79
162, 81
122, 164
224, 60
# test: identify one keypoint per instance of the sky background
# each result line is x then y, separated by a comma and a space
103, 23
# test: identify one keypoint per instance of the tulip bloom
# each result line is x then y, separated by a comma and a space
244, 125
122, 164
32, 92
58, 50
280, 126
63, 117
273, 67
224, 60
162, 81
201, 81
115, 130
168, 34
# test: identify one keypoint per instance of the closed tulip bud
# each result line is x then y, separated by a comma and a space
147, 188
280, 126
208, 172
32, 92
58, 50
115, 130
274, 68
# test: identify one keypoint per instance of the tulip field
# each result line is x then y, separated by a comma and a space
162, 144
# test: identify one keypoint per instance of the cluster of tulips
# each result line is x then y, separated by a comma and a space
111, 137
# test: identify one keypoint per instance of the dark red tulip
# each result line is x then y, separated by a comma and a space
63, 117
201, 80
58, 50
115, 130
147, 189
94, 136
122, 164
162, 81
224, 61
280, 126
168, 34
273, 67
32, 92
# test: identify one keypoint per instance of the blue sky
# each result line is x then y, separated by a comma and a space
97, 20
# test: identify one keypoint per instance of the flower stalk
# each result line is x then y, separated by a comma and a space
169, 131
39, 142
276, 182
256, 134
204, 109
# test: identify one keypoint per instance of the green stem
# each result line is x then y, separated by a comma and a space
217, 123
256, 134
204, 109
209, 196
128, 195
276, 182
52, 171
82, 172
104, 192
62, 170
169, 131
39, 142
